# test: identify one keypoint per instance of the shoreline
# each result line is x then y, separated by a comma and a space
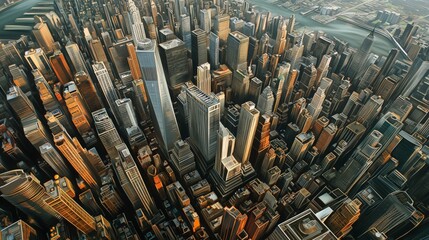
10, 5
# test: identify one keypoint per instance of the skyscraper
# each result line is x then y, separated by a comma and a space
204, 78
199, 48
175, 61
107, 132
61, 67
26, 193
266, 101
164, 120
137, 26
106, 85
360, 57
214, 50
54, 159
236, 56
76, 57
136, 180
204, 117
68, 208
19, 230
71, 151
43, 35
246, 130
233, 222
315, 106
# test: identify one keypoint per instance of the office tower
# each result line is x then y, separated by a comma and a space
398, 208
106, 85
54, 159
19, 78
199, 48
205, 20
164, 120
255, 89
204, 117
174, 59
166, 34
20, 104
185, 30
236, 56
221, 79
280, 44
360, 57
37, 59
25, 192
204, 78
111, 200
277, 87
315, 106
73, 152
387, 87
305, 225
369, 77
60, 67
182, 158
413, 78
266, 101
78, 110
221, 27
249, 29
99, 55
409, 32
289, 85
87, 90
137, 26
246, 130
300, 146
341, 220
323, 68
68, 208
43, 35
126, 111
387, 67
136, 180
214, 50
370, 110
240, 85
325, 138
323, 46
233, 222
19, 230
294, 54
358, 163
106, 131
308, 80
253, 49
76, 58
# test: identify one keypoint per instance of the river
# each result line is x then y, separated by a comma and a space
346, 32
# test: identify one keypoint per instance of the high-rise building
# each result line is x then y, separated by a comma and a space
221, 27
340, 222
204, 78
106, 131
360, 57
204, 117
236, 56
315, 106
37, 59
54, 159
72, 151
136, 180
43, 35
26, 193
87, 90
182, 158
199, 48
246, 130
240, 85
205, 20
68, 208
106, 85
370, 110
60, 67
266, 101
76, 58
300, 146
233, 222
126, 112
137, 27
174, 59
162, 112
214, 50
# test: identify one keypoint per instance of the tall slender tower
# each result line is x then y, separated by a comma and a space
79, 162
68, 208
204, 117
162, 112
204, 78
43, 35
232, 223
107, 132
106, 84
137, 26
136, 180
360, 57
214, 50
246, 130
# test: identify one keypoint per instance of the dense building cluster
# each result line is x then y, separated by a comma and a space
208, 120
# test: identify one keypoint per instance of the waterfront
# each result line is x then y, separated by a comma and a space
9, 15
352, 34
